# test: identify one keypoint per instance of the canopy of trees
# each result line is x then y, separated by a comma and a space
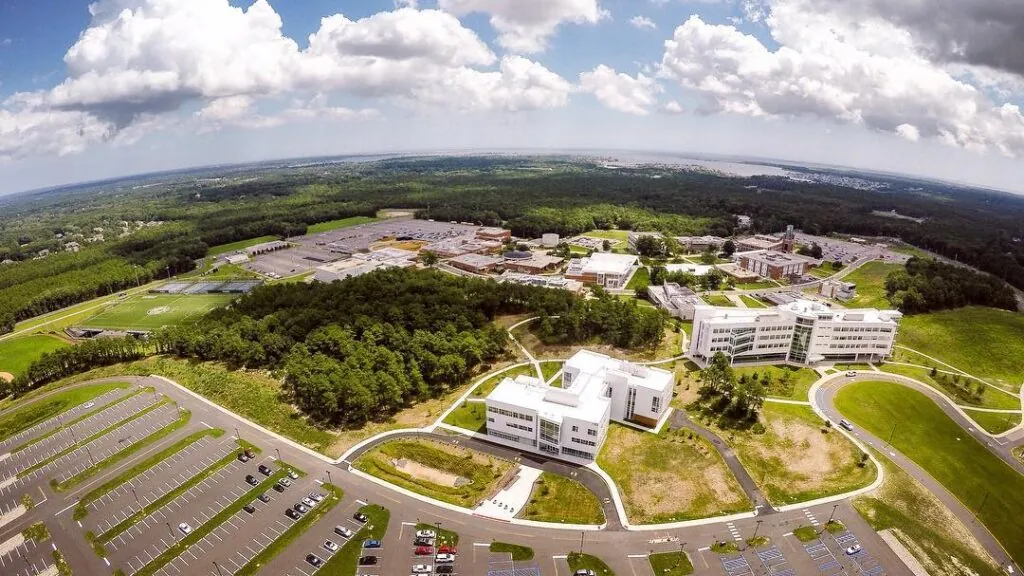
927, 285
719, 390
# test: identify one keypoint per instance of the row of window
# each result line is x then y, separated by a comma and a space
775, 337
519, 426
862, 329
858, 346
590, 431
584, 442
509, 413
577, 453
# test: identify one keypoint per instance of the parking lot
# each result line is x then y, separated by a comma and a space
45, 426
836, 250
27, 559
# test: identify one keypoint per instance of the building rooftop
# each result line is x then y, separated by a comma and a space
776, 258
760, 242
477, 260
603, 263
806, 308
695, 269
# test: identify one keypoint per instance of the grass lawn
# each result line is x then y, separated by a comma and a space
979, 479
794, 461
758, 285
752, 302
959, 392
518, 553
152, 311
585, 561
17, 354
339, 224
615, 235
344, 562
787, 382
669, 476
806, 533
962, 337
870, 281
436, 470
670, 564
718, 300
993, 422
491, 383
640, 281
29, 415
845, 367
333, 497
549, 369
825, 270
937, 538
687, 328
470, 416
556, 498
236, 246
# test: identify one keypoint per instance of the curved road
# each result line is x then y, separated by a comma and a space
824, 399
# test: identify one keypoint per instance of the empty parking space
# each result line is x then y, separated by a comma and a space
866, 562
774, 561
155, 483
68, 415
736, 566
823, 558
28, 559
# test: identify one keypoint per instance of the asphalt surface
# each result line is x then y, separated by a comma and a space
825, 399
233, 542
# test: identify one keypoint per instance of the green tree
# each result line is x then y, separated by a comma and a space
729, 248
429, 259
718, 377
709, 256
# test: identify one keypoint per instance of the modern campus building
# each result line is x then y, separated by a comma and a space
800, 332
603, 268
569, 420
760, 242
774, 265
677, 300
838, 290
692, 244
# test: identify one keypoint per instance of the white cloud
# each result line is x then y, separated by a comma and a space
25, 133
863, 73
6, 42
642, 22
621, 92
672, 107
526, 26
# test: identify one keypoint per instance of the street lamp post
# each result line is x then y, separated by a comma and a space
278, 454
582, 538
756, 528
215, 565
89, 452
169, 531
237, 434
832, 515
136, 497
329, 481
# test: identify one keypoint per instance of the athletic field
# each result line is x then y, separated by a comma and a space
152, 311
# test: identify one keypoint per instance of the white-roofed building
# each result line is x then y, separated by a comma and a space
603, 268
800, 332
570, 419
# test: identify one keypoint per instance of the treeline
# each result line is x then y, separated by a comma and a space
363, 348
926, 285
65, 362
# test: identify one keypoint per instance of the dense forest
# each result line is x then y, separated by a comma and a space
926, 285
530, 195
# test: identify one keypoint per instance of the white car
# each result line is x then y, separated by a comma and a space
426, 534
293, 475
851, 373
330, 546
316, 496
422, 569
853, 550
185, 528
444, 558
88, 405
309, 503
342, 531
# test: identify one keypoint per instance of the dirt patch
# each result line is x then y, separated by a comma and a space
158, 310
6, 376
812, 456
432, 475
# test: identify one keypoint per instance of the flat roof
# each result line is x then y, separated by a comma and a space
726, 315
606, 263
777, 258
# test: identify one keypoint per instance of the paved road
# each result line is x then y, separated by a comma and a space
825, 400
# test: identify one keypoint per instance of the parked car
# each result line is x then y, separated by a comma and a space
360, 517
424, 551
88, 405
342, 531
265, 470
371, 543
309, 503
250, 453
293, 474
422, 569
330, 546
584, 572
242, 457
426, 534
249, 508
251, 480
314, 560
447, 550
292, 514
263, 498
845, 424
278, 487
444, 558
423, 542
185, 528
316, 496
444, 569
285, 482
851, 373
301, 508
367, 560
853, 550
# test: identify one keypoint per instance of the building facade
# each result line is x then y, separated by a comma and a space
569, 420
677, 300
801, 332
603, 268
839, 290
774, 265
760, 242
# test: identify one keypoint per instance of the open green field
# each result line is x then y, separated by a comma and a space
640, 281
994, 422
339, 224
549, 368
717, 300
491, 383
152, 311
991, 397
470, 416
986, 485
17, 354
441, 471
870, 281
787, 382
31, 414
670, 476
824, 271
556, 498
752, 302
963, 338
240, 245
793, 460
613, 235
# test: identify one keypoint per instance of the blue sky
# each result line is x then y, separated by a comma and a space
141, 85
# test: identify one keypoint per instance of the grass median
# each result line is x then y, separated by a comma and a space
39, 411
166, 498
346, 561
334, 496
556, 498
210, 525
671, 564
81, 510
585, 561
518, 553
91, 438
918, 428
90, 414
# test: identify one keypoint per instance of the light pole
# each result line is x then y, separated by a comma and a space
89, 452
329, 481
756, 528
832, 515
278, 454
169, 531
136, 497
891, 434
237, 434
582, 537
217, 567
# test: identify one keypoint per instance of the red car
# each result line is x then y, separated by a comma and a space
424, 550
447, 550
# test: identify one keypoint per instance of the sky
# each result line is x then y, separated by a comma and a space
117, 87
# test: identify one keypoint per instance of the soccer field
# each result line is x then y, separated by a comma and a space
152, 311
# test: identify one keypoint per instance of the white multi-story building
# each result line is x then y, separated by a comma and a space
603, 268
801, 332
569, 420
